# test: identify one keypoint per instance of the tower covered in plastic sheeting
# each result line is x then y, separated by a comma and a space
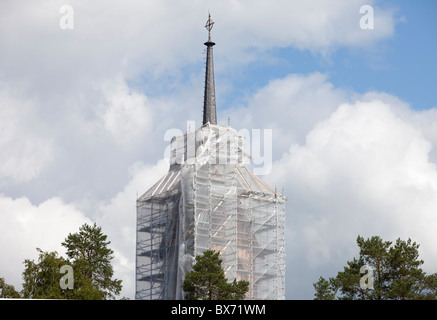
210, 200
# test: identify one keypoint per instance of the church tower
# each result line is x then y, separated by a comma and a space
209, 199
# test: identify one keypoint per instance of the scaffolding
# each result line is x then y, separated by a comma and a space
209, 199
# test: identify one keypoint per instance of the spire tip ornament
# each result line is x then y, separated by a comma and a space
208, 26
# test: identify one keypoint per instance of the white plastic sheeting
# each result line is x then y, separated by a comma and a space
210, 200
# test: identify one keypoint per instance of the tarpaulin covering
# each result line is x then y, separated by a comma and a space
210, 200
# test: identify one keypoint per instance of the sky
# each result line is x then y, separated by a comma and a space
353, 112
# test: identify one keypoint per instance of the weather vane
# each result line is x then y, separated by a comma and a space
209, 25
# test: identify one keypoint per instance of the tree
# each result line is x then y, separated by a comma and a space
324, 289
90, 261
207, 280
7, 290
89, 253
41, 279
394, 269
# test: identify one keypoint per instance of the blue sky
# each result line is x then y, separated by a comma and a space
84, 113
403, 65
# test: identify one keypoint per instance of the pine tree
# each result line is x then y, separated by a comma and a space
395, 271
207, 280
90, 259
88, 252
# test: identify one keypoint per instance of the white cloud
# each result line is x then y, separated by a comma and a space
118, 220
155, 36
426, 120
25, 227
318, 26
351, 166
290, 106
127, 115
365, 171
24, 151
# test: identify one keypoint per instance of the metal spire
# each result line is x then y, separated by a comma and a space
209, 108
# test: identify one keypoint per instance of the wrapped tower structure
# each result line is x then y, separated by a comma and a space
209, 199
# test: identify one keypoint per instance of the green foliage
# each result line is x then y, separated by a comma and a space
7, 290
324, 289
207, 280
396, 274
41, 279
90, 259
89, 253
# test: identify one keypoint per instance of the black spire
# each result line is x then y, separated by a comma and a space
209, 109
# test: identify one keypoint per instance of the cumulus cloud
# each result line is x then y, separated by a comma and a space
426, 121
24, 150
110, 36
318, 26
290, 106
117, 218
26, 226
126, 113
365, 170
355, 164
81, 119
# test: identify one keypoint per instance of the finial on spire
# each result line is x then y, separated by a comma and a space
209, 25
209, 108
